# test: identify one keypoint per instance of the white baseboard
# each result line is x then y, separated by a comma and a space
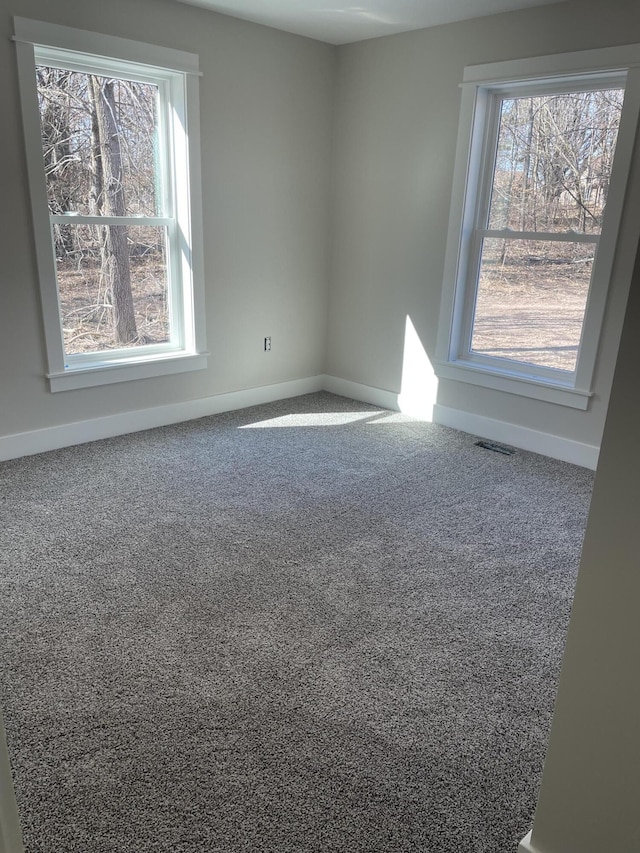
525, 438
363, 393
80, 432
412, 405
526, 846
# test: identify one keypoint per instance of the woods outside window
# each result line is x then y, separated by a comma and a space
112, 156
540, 182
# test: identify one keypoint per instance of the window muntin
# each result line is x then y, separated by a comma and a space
603, 68
154, 212
108, 160
548, 160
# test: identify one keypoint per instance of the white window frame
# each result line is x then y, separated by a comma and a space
176, 74
482, 88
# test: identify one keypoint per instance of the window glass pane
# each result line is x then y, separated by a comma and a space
112, 283
553, 161
99, 141
531, 301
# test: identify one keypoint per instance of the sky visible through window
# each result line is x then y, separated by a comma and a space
100, 149
554, 155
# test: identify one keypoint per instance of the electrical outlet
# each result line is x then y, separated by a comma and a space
267, 344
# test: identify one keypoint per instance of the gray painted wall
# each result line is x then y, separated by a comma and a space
397, 109
591, 784
10, 830
267, 109
326, 187
266, 115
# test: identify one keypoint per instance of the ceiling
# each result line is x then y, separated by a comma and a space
338, 22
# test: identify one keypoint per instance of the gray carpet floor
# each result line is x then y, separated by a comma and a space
308, 627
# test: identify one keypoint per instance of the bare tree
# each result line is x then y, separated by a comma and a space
554, 160
56, 147
107, 198
99, 149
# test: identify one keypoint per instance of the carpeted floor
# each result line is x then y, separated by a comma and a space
307, 627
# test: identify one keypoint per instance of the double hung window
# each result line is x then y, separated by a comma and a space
538, 197
111, 129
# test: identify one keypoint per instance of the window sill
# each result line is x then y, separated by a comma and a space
103, 373
523, 386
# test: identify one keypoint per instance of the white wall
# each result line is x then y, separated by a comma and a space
266, 114
267, 123
297, 225
590, 794
10, 830
397, 110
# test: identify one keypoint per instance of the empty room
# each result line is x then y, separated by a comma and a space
319, 479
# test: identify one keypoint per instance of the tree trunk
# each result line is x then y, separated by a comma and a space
108, 198
526, 174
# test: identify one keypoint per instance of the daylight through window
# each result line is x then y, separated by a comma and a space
544, 151
115, 214
100, 138
550, 181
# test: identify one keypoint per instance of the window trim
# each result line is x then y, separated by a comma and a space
179, 73
480, 84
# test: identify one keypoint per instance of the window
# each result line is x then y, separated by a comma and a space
541, 170
111, 132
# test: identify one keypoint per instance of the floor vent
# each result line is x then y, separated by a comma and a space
497, 448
